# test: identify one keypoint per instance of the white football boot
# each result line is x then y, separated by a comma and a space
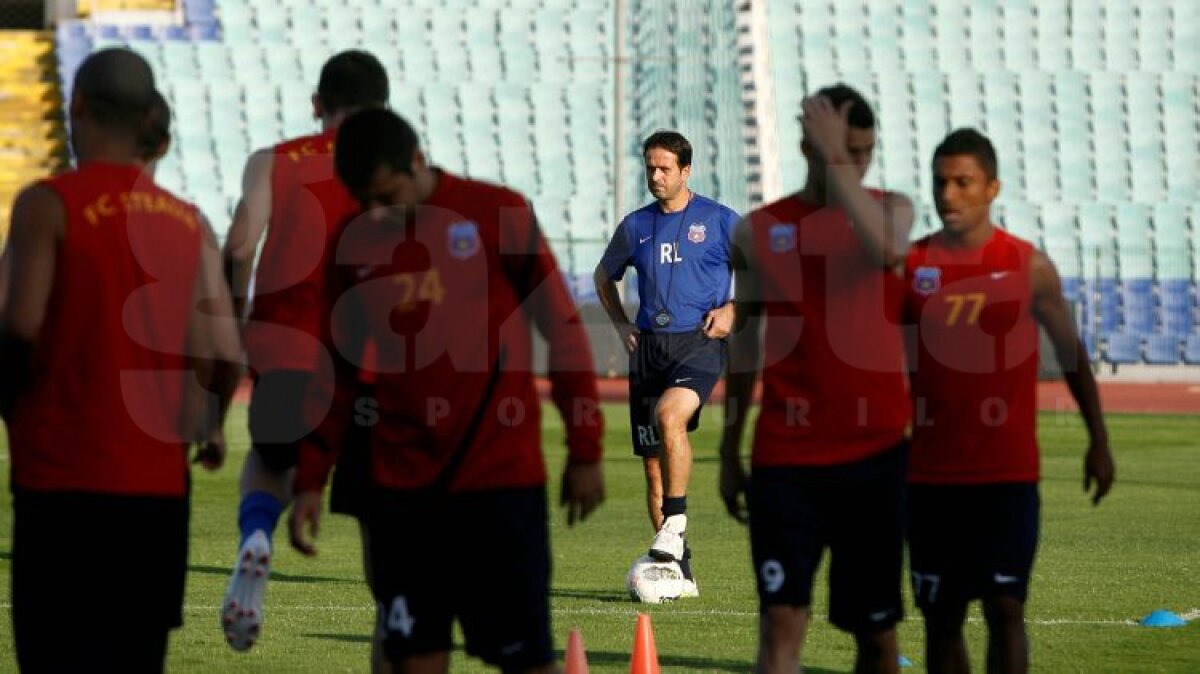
242, 610
668, 542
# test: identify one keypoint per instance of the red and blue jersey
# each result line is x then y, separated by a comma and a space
974, 376
682, 261
833, 356
448, 297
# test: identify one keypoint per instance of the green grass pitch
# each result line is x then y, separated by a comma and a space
1098, 570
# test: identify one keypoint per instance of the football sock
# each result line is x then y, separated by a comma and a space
685, 564
674, 505
258, 510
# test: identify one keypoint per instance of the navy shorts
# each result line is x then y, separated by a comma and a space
350, 488
856, 511
482, 558
669, 360
276, 417
971, 541
97, 580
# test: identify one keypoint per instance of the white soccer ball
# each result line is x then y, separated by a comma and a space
653, 582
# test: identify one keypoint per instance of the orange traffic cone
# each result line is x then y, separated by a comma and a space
645, 655
576, 658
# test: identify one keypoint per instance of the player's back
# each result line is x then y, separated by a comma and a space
833, 373
308, 206
105, 406
974, 379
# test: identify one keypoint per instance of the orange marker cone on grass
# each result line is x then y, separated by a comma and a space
645, 655
576, 658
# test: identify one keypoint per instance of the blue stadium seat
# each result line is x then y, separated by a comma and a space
1163, 350
1191, 350
1179, 319
1123, 348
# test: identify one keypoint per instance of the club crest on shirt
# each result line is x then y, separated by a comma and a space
927, 280
696, 232
782, 237
463, 239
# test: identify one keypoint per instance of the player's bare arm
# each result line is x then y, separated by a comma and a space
250, 220
38, 225
610, 299
317, 451
883, 227
1052, 312
745, 354
214, 351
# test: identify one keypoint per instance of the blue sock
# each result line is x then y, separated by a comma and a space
258, 510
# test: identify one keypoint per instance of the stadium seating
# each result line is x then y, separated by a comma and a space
1092, 106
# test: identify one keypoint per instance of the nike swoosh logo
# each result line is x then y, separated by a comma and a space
1002, 579
879, 615
644, 239
996, 276
680, 381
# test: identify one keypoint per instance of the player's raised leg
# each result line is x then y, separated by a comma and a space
281, 185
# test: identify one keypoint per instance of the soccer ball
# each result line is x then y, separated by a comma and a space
653, 582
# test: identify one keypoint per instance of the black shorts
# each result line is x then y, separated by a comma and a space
97, 580
971, 541
480, 557
350, 488
277, 421
669, 360
856, 510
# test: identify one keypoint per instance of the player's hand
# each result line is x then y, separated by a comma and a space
582, 490
211, 453
629, 336
306, 513
1098, 467
718, 323
733, 485
826, 127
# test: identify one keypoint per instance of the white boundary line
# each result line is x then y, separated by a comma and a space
365, 608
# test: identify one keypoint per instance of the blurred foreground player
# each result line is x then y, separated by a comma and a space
292, 197
447, 276
976, 296
820, 279
116, 322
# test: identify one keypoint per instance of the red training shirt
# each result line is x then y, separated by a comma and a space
833, 367
974, 382
308, 205
105, 404
448, 302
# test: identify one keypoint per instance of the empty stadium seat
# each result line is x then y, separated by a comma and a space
1163, 350
1191, 349
1123, 348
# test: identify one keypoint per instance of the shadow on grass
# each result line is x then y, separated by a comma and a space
609, 596
5, 554
603, 657
275, 575
343, 638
